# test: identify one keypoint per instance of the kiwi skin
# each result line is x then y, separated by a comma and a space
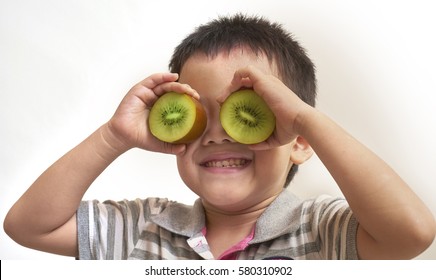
246, 117
195, 131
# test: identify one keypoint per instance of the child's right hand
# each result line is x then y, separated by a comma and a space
128, 128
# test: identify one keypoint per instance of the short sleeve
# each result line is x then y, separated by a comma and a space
335, 226
108, 230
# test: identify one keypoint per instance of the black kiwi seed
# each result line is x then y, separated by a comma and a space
253, 114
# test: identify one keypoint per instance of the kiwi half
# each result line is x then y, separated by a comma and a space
177, 118
246, 117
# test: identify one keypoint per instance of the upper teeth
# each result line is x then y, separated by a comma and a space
226, 163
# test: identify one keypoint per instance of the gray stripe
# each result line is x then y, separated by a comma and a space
353, 224
82, 218
134, 212
175, 244
97, 229
304, 249
144, 255
329, 230
338, 239
286, 248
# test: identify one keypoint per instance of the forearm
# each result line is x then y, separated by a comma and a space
44, 217
358, 172
388, 211
53, 198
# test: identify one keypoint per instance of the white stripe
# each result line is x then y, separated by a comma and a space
336, 216
129, 226
344, 235
103, 221
118, 235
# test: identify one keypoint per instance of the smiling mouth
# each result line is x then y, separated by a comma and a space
228, 163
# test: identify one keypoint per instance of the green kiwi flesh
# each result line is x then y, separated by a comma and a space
246, 117
177, 118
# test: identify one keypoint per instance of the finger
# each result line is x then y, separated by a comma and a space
260, 146
177, 149
174, 149
268, 144
176, 87
149, 89
158, 78
245, 77
221, 98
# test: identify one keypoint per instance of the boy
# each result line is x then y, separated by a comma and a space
243, 210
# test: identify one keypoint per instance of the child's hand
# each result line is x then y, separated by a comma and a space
286, 105
128, 128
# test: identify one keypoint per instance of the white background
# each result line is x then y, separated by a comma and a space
65, 65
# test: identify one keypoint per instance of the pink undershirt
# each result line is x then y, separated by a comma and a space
231, 253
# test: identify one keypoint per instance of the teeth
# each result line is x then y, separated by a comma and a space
226, 163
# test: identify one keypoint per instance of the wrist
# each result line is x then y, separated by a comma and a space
112, 146
304, 118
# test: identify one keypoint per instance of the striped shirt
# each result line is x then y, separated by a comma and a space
156, 228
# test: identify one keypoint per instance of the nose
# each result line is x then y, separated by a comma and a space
214, 132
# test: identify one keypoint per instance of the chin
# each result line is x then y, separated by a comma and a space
226, 200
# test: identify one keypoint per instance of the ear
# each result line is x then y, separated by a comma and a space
300, 150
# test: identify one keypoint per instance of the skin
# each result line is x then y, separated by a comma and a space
393, 221
233, 197
228, 189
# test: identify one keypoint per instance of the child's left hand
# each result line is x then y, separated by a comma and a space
288, 108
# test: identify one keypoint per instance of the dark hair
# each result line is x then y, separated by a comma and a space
295, 68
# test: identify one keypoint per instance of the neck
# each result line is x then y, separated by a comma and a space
225, 229
231, 218
223, 221
218, 218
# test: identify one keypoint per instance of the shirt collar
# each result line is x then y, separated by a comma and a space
278, 218
182, 219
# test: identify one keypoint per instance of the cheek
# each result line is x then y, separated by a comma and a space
274, 164
187, 172
182, 166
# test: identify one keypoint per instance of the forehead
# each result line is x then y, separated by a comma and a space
226, 62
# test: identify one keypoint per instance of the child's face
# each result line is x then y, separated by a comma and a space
254, 176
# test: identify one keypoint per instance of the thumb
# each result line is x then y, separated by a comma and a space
260, 146
174, 149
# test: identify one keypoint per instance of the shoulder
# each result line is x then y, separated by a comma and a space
325, 204
147, 206
333, 223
